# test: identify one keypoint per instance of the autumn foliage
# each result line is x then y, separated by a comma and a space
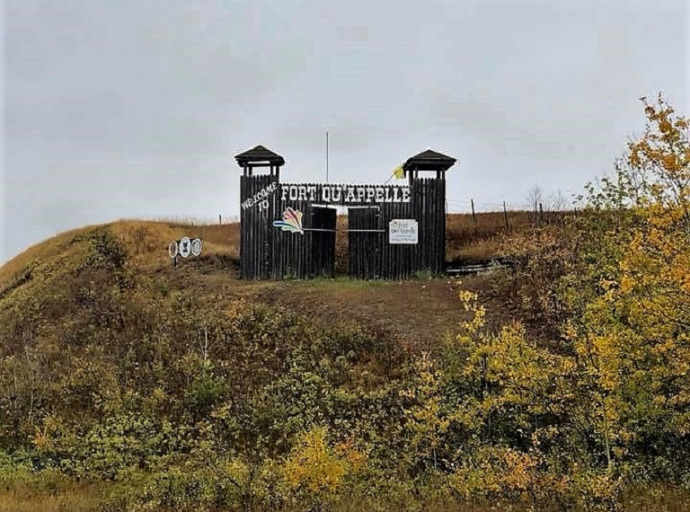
162, 400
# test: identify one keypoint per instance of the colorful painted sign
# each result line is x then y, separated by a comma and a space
292, 221
403, 231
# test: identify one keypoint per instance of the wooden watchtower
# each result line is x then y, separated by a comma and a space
259, 206
426, 174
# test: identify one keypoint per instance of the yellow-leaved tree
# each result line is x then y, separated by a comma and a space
315, 471
632, 332
604, 398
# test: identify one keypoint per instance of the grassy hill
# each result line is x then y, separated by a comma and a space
127, 384
424, 309
96, 325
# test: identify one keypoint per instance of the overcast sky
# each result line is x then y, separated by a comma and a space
136, 108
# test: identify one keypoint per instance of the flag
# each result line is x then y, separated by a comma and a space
399, 173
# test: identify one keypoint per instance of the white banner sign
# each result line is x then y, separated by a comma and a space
403, 231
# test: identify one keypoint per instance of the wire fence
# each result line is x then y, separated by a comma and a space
469, 206
509, 214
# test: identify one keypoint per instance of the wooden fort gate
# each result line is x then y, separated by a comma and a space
288, 230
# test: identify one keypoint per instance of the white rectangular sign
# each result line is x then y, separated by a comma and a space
402, 231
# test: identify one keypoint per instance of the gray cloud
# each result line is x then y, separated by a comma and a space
130, 108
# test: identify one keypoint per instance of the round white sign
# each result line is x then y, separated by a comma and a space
172, 249
185, 247
196, 246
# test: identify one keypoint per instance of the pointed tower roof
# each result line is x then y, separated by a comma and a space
429, 160
259, 156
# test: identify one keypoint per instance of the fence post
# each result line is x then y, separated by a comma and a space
474, 219
505, 214
220, 219
541, 214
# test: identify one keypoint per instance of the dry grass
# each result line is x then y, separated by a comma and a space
80, 499
418, 312
147, 241
469, 239
71, 498
56, 247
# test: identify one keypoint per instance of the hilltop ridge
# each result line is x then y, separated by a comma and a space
424, 308
52, 273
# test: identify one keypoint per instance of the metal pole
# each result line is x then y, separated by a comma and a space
474, 220
326, 157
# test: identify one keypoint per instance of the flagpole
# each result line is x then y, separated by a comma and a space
326, 157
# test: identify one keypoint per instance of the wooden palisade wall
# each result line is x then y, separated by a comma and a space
266, 252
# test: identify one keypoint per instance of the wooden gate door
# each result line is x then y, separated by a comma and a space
364, 239
322, 233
